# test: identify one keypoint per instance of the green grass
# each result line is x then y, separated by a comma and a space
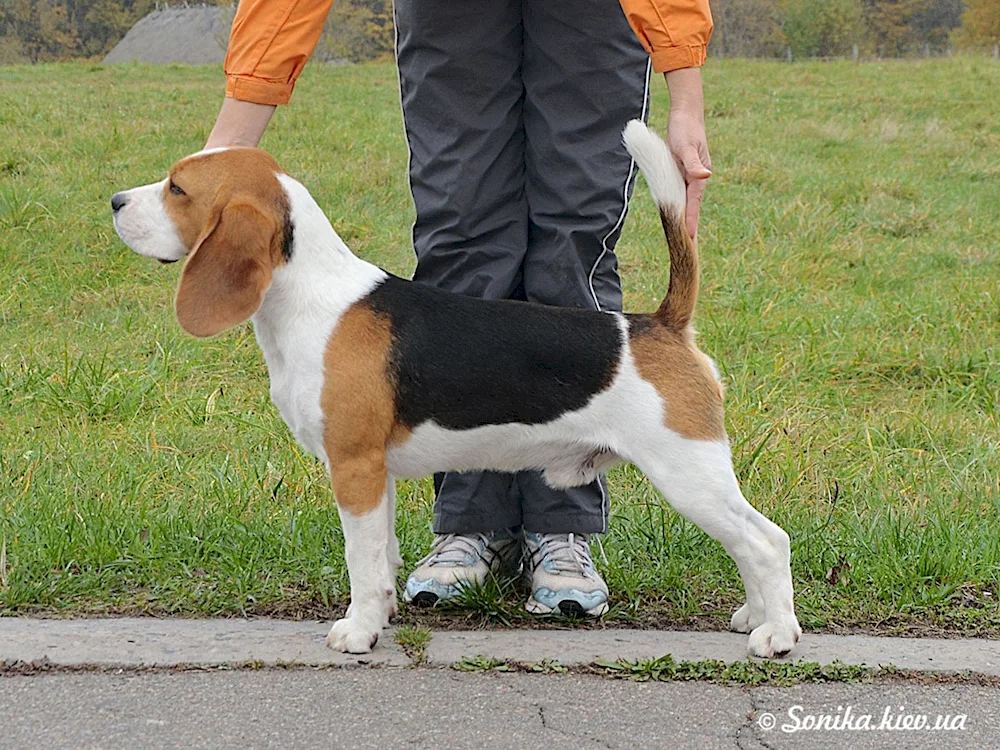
413, 640
851, 259
666, 668
749, 672
481, 663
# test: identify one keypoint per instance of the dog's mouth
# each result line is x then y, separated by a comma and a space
165, 261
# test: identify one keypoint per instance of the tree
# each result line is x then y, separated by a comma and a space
356, 31
41, 26
822, 28
746, 28
934, 22
11, 50
980, 24
899, 27
103, 23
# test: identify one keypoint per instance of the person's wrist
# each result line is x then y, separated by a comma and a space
686, 97
240, 123
688, 114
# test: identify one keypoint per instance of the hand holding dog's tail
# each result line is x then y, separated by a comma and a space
667, 186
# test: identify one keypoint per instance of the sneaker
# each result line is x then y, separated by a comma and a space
563, 576
457, 560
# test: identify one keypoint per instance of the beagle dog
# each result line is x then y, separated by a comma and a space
383, 378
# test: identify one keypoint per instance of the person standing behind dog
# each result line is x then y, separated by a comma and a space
513, 112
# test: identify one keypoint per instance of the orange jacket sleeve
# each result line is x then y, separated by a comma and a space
674, 32
269, 45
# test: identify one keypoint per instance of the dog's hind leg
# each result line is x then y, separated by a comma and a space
363, 490
697, 478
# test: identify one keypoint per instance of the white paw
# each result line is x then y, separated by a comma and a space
351, 637
775, 638
743, 620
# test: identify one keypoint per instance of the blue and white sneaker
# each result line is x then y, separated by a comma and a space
563, 576
456, 560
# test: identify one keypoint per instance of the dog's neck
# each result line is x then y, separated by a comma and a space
321, 279
307, 296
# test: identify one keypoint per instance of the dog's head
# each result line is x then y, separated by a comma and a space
227, 212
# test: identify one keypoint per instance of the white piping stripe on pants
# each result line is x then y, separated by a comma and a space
605, 501
628, 181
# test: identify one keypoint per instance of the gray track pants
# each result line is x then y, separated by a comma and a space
513, 113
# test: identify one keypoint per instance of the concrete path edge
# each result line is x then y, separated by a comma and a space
148, 642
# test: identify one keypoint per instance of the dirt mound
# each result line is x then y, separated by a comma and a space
196, 35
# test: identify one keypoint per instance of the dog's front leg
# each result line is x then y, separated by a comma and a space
395, 558
362, 488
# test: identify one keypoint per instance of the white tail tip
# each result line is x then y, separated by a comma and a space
657, 164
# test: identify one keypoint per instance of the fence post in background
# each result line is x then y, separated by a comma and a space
788, 54
854, 52
949, 52
927, 50
996, 51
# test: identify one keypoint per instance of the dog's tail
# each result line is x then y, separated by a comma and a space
667, 186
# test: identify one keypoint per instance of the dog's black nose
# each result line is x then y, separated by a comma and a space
117, 201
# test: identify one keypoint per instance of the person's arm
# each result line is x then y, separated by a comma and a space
240, 123
676, 34
269, 44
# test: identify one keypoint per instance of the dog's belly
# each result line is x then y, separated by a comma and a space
569, 458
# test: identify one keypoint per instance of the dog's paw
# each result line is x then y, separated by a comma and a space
744, 621
351, 637
775, 638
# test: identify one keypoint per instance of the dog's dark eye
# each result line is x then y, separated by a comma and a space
175, 189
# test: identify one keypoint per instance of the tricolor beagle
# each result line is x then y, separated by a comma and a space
383, 378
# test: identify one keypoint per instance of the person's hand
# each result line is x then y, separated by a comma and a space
687, 140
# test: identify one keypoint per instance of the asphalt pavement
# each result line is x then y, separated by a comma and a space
147, 683
394, 707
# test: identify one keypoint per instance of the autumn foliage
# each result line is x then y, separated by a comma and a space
44, 30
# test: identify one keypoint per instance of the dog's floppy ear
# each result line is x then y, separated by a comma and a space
228, 272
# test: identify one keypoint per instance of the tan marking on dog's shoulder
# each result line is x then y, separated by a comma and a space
358, 404
683, 377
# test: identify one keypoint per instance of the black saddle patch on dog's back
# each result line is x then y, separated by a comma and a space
465, 362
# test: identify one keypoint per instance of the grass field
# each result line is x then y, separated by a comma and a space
851, 260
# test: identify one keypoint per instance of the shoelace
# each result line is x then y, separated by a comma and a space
569, 553
453, 549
